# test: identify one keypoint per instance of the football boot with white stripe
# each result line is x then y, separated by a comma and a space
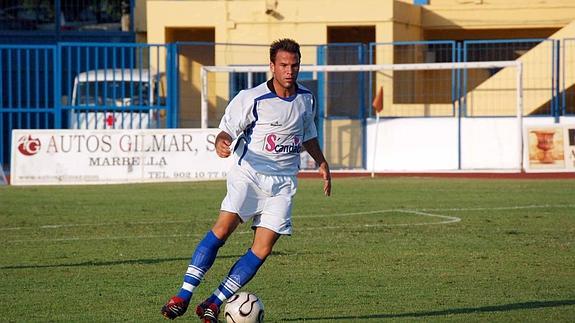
208, 312
175, 307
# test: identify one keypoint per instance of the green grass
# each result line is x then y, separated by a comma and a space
118, 252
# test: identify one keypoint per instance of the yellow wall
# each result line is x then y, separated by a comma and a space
497, 14
246, 21
306, 19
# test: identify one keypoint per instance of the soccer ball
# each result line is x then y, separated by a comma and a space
244, 307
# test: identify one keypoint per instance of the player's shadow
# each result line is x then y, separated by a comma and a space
149, 261
145, 261
465, 310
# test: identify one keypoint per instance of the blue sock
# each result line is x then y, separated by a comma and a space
241, 273
202, 259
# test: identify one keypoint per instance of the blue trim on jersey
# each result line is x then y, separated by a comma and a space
269, 95
250, 129
289, 98
298, 90
238, 143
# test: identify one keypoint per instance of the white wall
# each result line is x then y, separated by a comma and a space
432, 144
491, 143
413, 144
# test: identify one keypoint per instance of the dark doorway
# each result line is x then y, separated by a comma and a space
347, 92
197, 50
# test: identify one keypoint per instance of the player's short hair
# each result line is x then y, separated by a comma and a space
285, 44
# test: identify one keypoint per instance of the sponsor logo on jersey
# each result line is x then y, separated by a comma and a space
282, 144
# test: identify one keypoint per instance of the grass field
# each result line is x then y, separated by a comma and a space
391, 249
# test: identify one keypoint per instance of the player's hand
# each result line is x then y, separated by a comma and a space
326, 175
223, 142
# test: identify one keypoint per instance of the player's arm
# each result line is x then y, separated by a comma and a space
313, 149
223, 142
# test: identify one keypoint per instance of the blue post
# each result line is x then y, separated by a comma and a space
563, 89
19, 86
363, 104
454, 76
37, 85
457, 49
556, 80
172, 84
57, 54
176, 80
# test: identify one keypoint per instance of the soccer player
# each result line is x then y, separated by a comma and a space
269, 125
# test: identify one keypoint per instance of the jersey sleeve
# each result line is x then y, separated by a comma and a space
236, 116
310, 130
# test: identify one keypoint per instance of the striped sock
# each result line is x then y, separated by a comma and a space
241, 273
202, 259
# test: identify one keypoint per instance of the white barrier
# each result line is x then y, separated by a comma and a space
487, 144
46, 157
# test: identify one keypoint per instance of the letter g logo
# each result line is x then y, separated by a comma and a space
28, 146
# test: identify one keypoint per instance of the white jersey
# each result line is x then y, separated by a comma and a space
268, 131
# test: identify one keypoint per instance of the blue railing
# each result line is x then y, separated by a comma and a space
543, 64
37, 82
86, 85
415, 52
114, 85
28, 91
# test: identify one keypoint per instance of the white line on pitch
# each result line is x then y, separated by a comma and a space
211, 219
72, 225
446, 220
517, 207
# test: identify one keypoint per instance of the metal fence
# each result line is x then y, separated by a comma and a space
540, 61
411, 89
28, 91
85, 86
145, 85
115, 86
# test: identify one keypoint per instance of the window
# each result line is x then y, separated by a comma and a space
74, 15
94, 15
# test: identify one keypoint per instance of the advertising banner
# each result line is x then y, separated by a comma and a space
550, 148
45, 157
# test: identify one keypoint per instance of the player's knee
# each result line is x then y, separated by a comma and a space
225, 225
262, 251
222, 232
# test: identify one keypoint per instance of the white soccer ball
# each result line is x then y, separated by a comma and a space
244, 307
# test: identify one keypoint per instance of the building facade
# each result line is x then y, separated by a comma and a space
387, 32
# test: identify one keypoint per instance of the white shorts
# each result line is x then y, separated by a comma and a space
265, 198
